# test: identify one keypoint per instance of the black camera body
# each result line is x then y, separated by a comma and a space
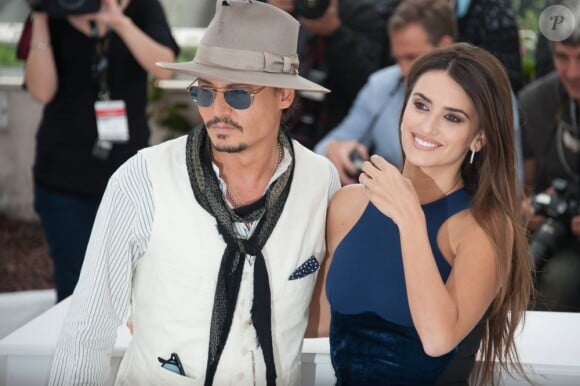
64, 8
558, 208
358, 162
310, 9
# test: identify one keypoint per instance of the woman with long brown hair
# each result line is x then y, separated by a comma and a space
422, 258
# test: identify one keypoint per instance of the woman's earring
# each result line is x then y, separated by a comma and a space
471, 157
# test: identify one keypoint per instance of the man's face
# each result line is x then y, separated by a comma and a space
235, 130
567, 62
407, 44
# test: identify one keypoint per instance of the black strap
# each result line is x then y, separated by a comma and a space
100, 64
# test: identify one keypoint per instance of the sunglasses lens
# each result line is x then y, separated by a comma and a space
238, 99
201, 96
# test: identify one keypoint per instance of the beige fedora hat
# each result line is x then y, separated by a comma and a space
248, 42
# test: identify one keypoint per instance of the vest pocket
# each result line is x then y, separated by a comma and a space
167, 377
292, 299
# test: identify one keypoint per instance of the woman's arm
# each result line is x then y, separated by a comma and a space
40, 70
144, 49
443, 313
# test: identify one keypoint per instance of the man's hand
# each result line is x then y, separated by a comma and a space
285, 5
130, 324
338, 152
527, 210
575, 225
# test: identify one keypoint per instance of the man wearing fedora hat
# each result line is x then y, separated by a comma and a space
211, 241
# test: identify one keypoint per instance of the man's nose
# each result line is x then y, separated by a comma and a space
220, 105
573, 69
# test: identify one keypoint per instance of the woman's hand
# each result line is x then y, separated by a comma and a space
143, 47
527, 210
110, 15
391, 192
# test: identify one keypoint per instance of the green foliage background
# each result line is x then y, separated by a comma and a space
527, 12
171, 115
8, 56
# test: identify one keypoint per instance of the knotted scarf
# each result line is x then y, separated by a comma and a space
207, 192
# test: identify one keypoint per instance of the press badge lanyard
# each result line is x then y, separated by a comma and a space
561, 136
112, 125
575, 138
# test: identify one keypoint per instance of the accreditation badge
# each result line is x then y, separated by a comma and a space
112, 124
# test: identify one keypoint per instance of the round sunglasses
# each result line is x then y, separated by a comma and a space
238, 98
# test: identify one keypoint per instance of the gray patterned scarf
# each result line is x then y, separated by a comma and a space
207, 192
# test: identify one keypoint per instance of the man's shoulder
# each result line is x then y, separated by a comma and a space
302, 152
315, 162
541, 91
315, 169
170, 145
390, 75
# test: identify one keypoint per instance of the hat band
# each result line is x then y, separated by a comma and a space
245, 60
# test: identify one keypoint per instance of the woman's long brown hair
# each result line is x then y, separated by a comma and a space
493, 181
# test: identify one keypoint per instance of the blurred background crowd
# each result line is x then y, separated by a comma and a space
343, 44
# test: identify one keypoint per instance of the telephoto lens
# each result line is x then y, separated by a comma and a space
546, 241
311, 9
64, 8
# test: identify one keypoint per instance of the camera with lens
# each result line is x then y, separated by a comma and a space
311, 9
357, 161
558, 208
64, 8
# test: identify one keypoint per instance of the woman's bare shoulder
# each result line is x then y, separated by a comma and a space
465, 226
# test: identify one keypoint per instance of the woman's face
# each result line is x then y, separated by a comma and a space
439, 123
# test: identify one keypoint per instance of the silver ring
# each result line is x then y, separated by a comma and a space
363, 181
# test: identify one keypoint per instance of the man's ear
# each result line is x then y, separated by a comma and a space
445, 41
286, 96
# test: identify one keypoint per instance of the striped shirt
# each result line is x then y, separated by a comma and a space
101, 300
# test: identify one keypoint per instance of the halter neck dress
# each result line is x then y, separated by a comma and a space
372, 337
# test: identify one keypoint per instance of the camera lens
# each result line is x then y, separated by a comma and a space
71, 4
311, 9
546, 240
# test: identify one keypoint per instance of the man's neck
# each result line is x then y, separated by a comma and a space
247, 173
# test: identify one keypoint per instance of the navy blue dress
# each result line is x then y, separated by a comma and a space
372, 337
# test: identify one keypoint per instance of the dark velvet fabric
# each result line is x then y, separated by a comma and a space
367, 350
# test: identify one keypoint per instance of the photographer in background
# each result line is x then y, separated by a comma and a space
341, 43
372, 124
551, 144
90, 71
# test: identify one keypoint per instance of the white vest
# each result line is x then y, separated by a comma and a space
174, 282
